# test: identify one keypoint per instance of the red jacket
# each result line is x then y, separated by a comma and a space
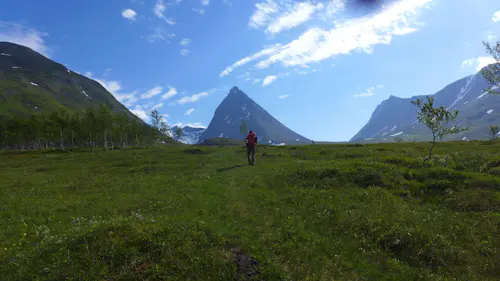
251, 139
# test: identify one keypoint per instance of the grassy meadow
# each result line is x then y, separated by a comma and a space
317, 212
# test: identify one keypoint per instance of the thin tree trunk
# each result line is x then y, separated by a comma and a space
62, 144
105, 140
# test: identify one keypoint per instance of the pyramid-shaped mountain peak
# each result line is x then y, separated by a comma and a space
238, 108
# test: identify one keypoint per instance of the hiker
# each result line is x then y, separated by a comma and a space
251, 142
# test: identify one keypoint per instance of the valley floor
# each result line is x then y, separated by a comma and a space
321, 212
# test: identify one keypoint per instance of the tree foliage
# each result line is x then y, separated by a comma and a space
494, 131
178, 132
243, 127
436, 119
94, 127
492, 72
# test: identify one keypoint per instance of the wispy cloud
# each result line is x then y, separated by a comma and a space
199, 11
140, 112
159, 11
107, 71
29, 37
185, 52
115, 88
165, 115
268, 80
296, 15
157, 106
283, 97
205, 2
263, 13
189, 111
185, 42
193, 98
266, 52
496, 16
359, 34
368, 92
151, 93
159, 33
129, 14
479, 62
171, 92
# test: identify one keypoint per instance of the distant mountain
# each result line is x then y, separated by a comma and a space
30, 82
190, 135
235, 108
397, 117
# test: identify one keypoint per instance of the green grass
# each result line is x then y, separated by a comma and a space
321, 212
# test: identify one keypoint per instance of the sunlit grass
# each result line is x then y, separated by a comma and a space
339, 212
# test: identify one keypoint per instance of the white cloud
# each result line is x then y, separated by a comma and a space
199, 11
491, 37
156, 106
256, 81
192, 125
159, 33
317, 44
159, 11
151, 93
268, 80
300, 13
189, 111
496, 16
205, 2
165, 115
245, 60
185, 42
263, 13
479, 62
185, 52
140, 112
29, 37
193, 98
335, 6
368, 92
129, 14
171, 92
114, 87
283, 97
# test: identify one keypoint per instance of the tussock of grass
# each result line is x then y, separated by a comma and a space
322, 212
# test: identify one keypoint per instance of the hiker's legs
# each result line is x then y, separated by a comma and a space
249, 154
254, 149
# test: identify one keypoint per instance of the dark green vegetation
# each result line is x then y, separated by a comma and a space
94, 127
32, 83
222, 141
318, 212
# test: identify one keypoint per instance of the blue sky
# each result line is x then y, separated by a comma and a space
320, 67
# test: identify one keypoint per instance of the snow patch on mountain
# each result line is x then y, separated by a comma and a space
465, 90
397, 134
489, 111
83, 92
34, 84
482, 95
394, 128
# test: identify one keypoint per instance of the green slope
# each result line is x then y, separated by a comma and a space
30, 82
